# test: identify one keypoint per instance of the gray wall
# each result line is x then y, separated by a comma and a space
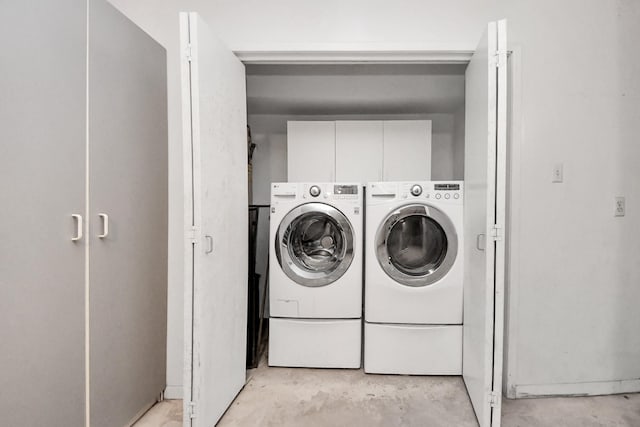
574, 267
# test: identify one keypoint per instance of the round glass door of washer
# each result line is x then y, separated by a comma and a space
314, 244
416, 245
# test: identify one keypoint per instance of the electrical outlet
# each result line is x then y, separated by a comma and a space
557, 173
620, 208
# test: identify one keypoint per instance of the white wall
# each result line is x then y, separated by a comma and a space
575, 268
574, 274
250, 25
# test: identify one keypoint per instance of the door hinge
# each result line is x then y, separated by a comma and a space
493, 399
191, 233
192, 410
496, 233
188, 53
500, 54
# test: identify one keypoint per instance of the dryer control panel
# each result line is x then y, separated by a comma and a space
447, 190
433, 190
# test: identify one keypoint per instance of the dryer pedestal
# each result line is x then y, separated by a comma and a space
315, 343
412, 349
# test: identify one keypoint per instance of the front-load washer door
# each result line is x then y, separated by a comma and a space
314, 244
416, 245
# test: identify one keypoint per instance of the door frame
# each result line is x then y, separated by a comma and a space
310, 57
400, 56
446, 55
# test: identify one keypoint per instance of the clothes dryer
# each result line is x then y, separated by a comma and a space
414, 277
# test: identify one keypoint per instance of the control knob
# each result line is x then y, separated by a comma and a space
314, 191
416, 190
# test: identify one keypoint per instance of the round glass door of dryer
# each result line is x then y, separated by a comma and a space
314, 244
416, 245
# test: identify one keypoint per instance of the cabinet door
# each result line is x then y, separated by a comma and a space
128, 193
359, 151
407, 150
311, 151
42, 163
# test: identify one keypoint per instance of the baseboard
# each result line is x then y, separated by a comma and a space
173, 392
595, 388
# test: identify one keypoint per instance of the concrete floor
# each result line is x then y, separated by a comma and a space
167, 413
286, 397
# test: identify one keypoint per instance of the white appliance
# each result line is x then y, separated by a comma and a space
414, 278
315, 275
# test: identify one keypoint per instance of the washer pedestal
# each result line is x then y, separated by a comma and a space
315, 343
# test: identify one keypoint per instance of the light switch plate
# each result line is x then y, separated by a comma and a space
558, 175
620, 207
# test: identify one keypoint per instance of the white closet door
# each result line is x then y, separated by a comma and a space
359, 151
311, 151
215, 141
485, 173
407, 150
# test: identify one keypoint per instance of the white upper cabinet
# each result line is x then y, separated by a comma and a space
311, 151
359, 150
407, 150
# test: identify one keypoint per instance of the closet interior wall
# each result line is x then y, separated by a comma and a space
277, 94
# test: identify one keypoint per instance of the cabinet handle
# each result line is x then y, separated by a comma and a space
210, 244
105, 225
480, 238
78, 219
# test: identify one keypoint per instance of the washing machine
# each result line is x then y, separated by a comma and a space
315, 275
414, 278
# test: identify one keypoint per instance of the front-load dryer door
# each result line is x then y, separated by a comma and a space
416, 245
314, 244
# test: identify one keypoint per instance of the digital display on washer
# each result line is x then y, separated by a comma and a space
345, 189
447, 187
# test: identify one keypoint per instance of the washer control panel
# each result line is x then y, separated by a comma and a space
328, 191
341, 191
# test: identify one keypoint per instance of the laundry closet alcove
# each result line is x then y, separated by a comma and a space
214, 95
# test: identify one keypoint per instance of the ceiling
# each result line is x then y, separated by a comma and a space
355, 89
